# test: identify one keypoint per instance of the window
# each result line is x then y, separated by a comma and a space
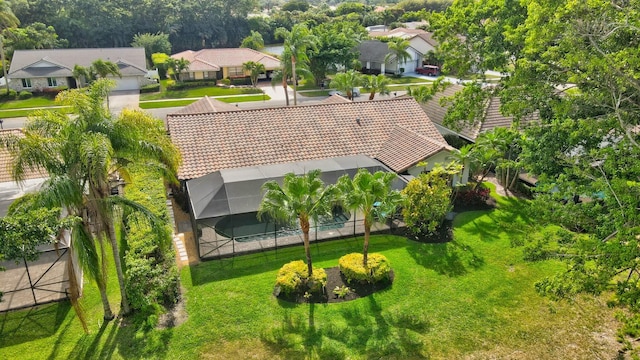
236, 71
26, 83
52, 82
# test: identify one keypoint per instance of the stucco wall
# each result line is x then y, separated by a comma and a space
37, 84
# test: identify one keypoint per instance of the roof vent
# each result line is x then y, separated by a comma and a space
358, 121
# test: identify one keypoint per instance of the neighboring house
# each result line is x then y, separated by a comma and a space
228, 155
223, 63
373, 52
26, 284
38, 70
492, 118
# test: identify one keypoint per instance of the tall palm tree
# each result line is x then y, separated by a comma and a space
376, 84
398, 49
304, 198
372, 195
81, 154
296, 43
177, 66
346, 82
254, 69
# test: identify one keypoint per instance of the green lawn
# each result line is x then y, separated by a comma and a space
33, 102
176, 103
407, 80
199, 92
472, 297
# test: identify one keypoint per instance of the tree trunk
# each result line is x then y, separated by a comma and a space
304, 225
295, 81
286, 90
116, 257
365, 247
74, 293
102, 286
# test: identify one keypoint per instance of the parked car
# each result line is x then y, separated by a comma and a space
429, 70
356, 92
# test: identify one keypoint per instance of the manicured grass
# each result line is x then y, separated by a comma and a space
23, 113
198, 92
407, 80
472, 297
39, 101
314, 93
176, 103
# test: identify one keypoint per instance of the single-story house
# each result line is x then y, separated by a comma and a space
38, 70
228, 155
491, 118
223, 63
373, 52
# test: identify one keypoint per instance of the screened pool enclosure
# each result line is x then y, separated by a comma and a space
224, 207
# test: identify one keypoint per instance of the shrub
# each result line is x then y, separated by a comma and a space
11, 95
190, 84
427, 202
150, 88
293, 277
152, 276
377, 269
472, 196
25, 95
240, 80
225, 81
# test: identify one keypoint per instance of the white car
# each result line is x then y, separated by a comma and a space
356, 92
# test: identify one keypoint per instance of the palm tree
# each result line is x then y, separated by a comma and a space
346, 82
254, 69
296, 43
372, 195
80, 154
398, 49
80, 73
105, 68
304, 198
376, 84
177, 66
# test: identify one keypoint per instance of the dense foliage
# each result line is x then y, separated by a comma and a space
376, 270
427, 202
573, 64
151, 273
293, 278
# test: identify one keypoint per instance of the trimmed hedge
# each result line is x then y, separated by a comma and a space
293, 278
191, 84
23, 95
151, 273
377, 269
150, 88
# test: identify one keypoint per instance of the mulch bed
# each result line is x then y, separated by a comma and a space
336, 279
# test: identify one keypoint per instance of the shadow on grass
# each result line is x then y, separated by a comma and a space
21, 326
450, 259
130, 336
272, 260
364, 330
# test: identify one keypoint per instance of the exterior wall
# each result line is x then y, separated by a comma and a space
37, 84
440, 158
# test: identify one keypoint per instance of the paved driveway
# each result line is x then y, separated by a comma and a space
119, 100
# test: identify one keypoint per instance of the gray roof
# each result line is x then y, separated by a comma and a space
60, 62
206, 105
239, 190
373, 50
491, 118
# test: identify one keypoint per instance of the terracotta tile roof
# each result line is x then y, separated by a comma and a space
215, 59
206, 105
223, 140
6, 160
335, 99
492, 117
405, 148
